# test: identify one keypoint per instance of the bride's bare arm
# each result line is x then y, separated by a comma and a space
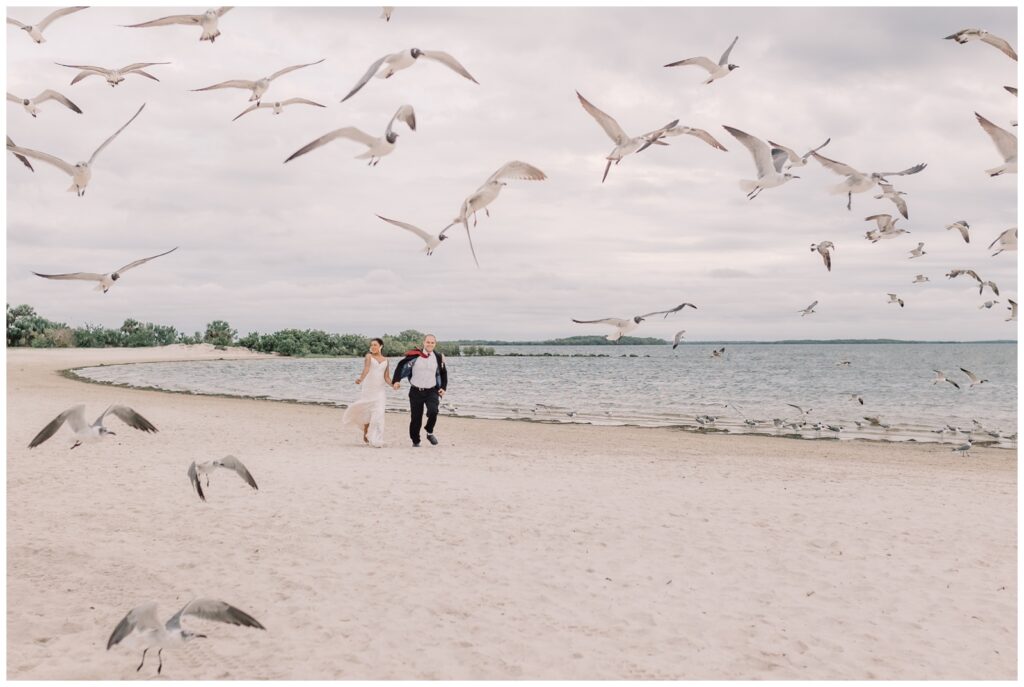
366, 369
387, 374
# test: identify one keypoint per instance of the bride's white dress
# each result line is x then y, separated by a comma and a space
369, 409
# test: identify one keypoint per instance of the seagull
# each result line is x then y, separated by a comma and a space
432, 241
963, 449
386, 12
624, 143
24, 160
990, 284
80, 172
376, 148
1013, 310
488, 193
678, 308
718, 353
657, 135
768, 162
259, 86
105, 280
385, 67
228, 462
876, 422
843, 363
143, 628
794, 159
893, 298
31, 105
963, 227
940, 376
953, 274
965, 35
278, 106
208, 20
917, 252
36, 31
113, 76
858, 398
886, 228
800, 410
715, 71
888, 191
1006, 144
83, 433
809, 310
1006, 240
621, 326
858, 182
973, 377
987, 305
824, 248
920, 279
677, 338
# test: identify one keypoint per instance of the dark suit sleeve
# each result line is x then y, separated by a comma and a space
443, 369
396, 376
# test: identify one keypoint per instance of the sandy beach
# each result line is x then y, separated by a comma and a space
512, 550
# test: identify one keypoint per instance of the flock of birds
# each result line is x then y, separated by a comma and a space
773, 165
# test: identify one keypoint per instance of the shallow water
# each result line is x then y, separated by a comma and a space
656, 386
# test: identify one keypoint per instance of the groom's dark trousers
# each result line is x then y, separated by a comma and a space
417, 399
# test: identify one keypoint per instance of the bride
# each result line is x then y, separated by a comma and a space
368, 411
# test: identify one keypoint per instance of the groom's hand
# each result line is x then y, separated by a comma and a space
440, 393
396, 386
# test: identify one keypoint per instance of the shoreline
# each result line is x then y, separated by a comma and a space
510, 551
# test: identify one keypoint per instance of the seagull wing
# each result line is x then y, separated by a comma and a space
409, 227
763, 158
63, 12
704, 136
11, 98
84, 276
167, 21
448, 61
75, 416
15, 22
282, 72
54, 95
1001, 44
142, 617
349, 132
811, 306
970, 375
212, 609
144, 260
44, 157
232, 463
366, 77
404, 114
128, 416
702, 62
798, 408
139, 65
114, 135
677, 337
1012, 90
24, 160
901, 205
613, 321
909, 170
790, 153
837, 167
193, 477
221, 11
610, 126
254, 106
517, 170
231, 83
724, 60
299, 101
1005, 142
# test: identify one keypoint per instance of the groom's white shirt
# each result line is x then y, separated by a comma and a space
424, 372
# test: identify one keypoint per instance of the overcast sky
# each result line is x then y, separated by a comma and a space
268, 246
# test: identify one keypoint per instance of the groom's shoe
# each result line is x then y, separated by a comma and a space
415, 444
432, 439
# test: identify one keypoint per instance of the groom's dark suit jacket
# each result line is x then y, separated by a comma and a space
404, 368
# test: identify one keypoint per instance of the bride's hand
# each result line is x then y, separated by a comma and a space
359, 381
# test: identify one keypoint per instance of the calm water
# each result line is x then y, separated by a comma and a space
655, 386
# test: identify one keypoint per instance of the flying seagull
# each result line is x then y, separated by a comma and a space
715, 71
36, 31
622, 326
987, 305
1013, 310
1006, 144
678, 308
24, 160
31, 105
624, 143
657, 136
718, 352
105, 280
386, 13
796, 160
893, 298
376, 148
1006, 240
917, 252
432, 241
197, 470
940, 376
278, 106
823, 248
966, 35
809, 310
207, 20
113, 76
677, 338
386, 66
887, 228
83, 433
142, 626
858, 398
888, 191
488, 193
259, 86
972, 377
953, 274
800, 410
990, 284
920, 279
768, 162
963, 227
859, 182
80, 172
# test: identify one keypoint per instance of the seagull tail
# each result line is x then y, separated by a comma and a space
748, 185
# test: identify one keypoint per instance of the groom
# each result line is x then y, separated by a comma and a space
428, 378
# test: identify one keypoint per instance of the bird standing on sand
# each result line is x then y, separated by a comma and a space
964, 449
83, 433
105, 280
207, 20
715, 71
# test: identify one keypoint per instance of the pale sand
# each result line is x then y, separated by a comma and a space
513, 550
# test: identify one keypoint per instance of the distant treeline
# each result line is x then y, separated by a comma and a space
596, 340
25, 327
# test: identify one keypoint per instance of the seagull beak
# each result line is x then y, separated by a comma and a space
795, 176
113, 434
